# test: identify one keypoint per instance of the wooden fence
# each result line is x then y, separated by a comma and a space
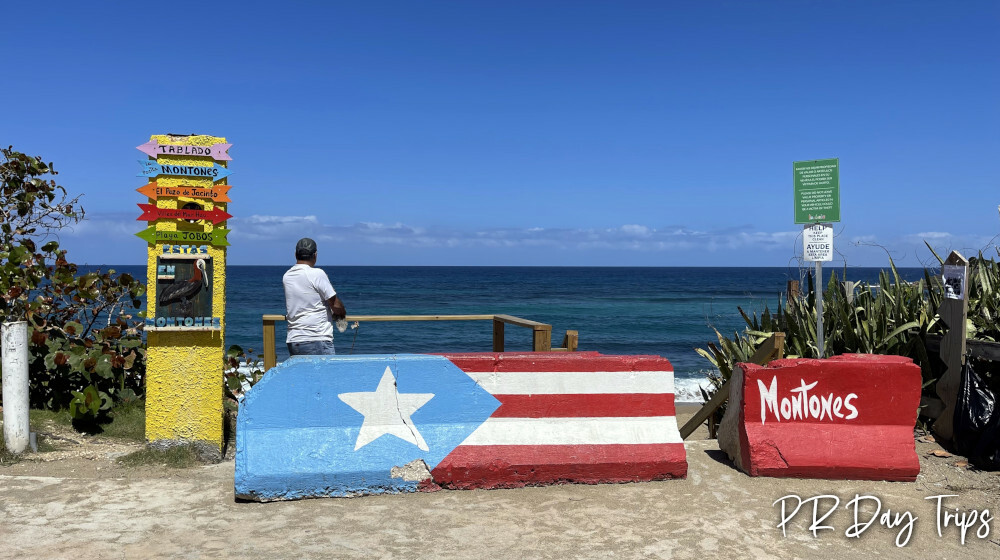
771, 349
541, 340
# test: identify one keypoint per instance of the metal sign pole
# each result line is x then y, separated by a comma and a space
818, 247
819, 308
816, 199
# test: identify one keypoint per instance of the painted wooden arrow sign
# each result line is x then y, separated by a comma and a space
151, 213
215, 151
216, 237
216, 193
152, 169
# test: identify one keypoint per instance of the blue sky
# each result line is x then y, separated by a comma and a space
523, 133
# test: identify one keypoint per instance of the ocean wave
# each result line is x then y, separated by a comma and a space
687, 390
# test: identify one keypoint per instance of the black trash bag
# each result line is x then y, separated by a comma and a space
977, 422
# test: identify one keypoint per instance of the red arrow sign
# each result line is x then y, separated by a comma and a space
216, 193
150, 213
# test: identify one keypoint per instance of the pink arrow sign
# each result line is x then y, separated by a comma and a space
151, 213
215, 151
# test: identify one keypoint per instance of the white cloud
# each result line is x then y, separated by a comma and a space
106, 224
630, 237
109, 238
635, 230
270, 220
267, 228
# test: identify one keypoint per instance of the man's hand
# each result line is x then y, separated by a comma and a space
336, 308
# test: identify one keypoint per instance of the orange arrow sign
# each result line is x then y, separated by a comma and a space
151, 213
216, 193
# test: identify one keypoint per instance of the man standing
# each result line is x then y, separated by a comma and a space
310, 303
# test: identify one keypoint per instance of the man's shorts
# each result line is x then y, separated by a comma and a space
311, 348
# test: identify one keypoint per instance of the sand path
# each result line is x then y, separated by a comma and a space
88, 507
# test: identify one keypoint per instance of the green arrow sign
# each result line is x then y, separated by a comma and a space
817, 190
216, 237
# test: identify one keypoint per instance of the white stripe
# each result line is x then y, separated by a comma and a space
575, 431
573, 382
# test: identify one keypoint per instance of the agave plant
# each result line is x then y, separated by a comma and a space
891, 316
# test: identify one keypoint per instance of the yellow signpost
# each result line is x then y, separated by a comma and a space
186, 296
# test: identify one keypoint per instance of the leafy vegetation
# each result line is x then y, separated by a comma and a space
242, 370
891, 317
87, 359
86, 350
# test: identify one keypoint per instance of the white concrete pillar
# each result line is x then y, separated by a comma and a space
15, 385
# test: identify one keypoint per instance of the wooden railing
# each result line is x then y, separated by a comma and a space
771, 349
541, 340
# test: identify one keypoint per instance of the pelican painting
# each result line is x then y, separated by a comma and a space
185, 290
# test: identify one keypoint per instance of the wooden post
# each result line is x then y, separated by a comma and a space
771, 349
497, 335
954, 308
542, 340
571, 341
793, 290
270, 351
792, 294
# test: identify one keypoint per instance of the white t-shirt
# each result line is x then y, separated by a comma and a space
306, 291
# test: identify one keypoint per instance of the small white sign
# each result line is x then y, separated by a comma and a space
817, 242
954, 281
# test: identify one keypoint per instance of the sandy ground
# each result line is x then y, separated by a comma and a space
78, 503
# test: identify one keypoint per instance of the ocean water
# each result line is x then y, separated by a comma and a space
666, 311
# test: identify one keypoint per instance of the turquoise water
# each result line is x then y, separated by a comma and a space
663, 311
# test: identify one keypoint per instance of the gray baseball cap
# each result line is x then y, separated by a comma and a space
305, 248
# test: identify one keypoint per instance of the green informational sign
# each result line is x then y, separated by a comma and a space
817, 190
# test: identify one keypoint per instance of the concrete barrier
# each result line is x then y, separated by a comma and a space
568, 418
846, 417
350, 425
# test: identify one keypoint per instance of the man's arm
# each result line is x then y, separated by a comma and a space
336, 307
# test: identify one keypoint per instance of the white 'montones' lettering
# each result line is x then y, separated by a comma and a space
802, 405
768, 397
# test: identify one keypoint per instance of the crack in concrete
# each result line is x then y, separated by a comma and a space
406, 420
780, 455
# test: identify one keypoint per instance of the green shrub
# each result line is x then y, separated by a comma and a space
86, 350
890, 317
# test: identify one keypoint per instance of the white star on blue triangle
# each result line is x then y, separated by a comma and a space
387, 412
355, 418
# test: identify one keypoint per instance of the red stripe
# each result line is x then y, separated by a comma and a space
514, 466
587, 405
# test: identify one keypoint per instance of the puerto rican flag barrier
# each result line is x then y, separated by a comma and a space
351, 425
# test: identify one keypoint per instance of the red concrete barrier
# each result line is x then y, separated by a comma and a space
846, 417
